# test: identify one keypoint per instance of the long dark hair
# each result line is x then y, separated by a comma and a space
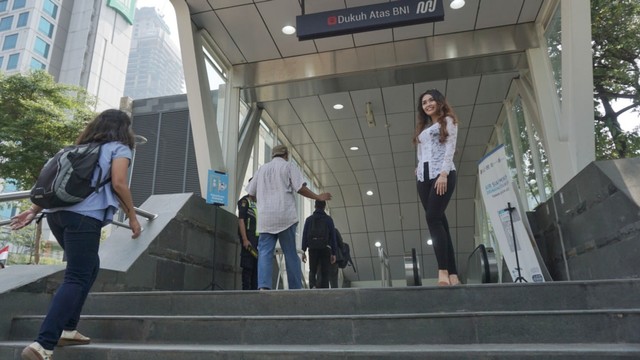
110, 125
424, 120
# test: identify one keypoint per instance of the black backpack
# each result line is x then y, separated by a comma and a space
65, 179
318, 237
343, 253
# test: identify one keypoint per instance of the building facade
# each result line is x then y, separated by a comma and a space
83, 43
154, 67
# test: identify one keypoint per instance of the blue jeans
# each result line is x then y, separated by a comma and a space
79, 236
266, 247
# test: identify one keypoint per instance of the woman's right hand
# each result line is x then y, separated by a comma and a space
23, 219
136, 229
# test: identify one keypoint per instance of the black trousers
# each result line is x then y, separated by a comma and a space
434, 206
321, 258
250, 277
249, 266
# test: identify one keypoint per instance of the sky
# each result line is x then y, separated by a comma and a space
629, 121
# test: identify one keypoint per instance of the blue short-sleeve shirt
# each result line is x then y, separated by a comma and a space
103, 203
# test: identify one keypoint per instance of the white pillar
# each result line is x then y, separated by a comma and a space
201, 111
231, 116
577, 81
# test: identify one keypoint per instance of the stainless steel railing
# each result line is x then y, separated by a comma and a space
385, 269
19, 195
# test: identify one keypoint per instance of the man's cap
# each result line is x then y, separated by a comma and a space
279, 150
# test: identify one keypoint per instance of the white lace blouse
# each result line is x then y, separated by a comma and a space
438, 155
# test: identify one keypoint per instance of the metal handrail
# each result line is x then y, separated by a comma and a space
482, 266
12, 196
19, 195
385, 269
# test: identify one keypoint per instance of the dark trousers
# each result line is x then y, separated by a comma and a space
434, 206
322, 258
250, 274
249, 265
333, 275
79, 236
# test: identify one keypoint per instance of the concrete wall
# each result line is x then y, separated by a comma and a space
596, 215
181, 256
176, 251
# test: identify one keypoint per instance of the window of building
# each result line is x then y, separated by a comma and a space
1, 61
12, 62
23, 19
10, 42
41, 47
37, 65
553, 34
5, 23
3, 5
508, 149
45, 27
19, 4
50, 8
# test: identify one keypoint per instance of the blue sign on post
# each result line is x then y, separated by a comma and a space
217, 188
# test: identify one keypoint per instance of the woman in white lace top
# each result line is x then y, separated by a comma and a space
435, 141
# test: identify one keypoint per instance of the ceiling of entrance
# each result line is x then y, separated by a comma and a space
472, 56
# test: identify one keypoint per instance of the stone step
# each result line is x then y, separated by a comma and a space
549, 326
10, 350
487, 297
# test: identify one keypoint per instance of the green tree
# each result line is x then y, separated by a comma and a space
37, 118
616, 74
23, 244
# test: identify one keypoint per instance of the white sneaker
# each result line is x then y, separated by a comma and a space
35, 351
72, 337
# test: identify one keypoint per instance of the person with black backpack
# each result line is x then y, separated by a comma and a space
319, 236
77, 228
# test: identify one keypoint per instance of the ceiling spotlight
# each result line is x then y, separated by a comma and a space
354, 148
377, 244
429, 242
338, 106
457, 4
290, 30
369, 192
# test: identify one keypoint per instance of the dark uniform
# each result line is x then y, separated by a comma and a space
248, 262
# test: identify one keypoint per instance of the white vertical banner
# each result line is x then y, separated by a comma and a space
506, 216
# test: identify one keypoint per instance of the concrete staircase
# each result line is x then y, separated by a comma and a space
561, 320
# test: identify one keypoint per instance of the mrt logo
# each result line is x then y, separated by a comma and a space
332, 20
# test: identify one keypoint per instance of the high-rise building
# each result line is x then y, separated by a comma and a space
155, 68
84, 43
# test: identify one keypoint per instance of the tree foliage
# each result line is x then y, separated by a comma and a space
37, 118
616, 74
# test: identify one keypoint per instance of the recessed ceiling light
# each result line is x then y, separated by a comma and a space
354, 148
457, 4
429, 242
377, 244
289, 30
338, 106
369, 192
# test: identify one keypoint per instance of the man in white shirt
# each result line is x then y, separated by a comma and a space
274, 185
